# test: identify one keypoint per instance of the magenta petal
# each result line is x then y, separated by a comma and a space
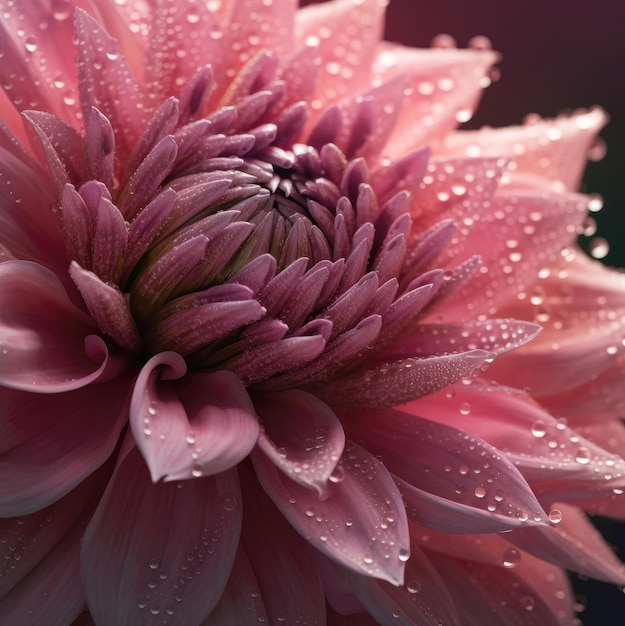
165, 548
53, 430
48, 345
301, 435
423, 600
198, 425
360, 524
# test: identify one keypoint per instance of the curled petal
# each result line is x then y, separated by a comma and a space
301, 435
48, 345
361, 524
192, 425
148, 545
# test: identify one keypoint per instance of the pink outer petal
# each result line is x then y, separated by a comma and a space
283, 563
362, 522
444, 87
554, 150
198, 425
48, 345
357, 25
533, 593
149, 547
241, 603
526, 231
552, 457
422, 601
455, 480
301, 435
48, 446
574, 544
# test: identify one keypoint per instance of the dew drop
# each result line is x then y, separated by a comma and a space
404, 554
555, 516
465, 408
539, 429
368, 559
154, 563
190, 438
511, 558
196, 471
414, 586
337, 475
229, 501
30, 43
599, 248
583, 455
480, 492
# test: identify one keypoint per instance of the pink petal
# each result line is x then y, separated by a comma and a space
241, 603
533, 221
422, 601
190, 425
362, 22
574, 544
533, 593
555, 459
361, 524
53, 430
153, 546
445, 86
48, 345
301, 435
453, 479
555, 150
112, 89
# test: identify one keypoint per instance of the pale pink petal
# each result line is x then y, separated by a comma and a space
450, 479
444, 88
555, 459
423, 600
555, 150
301, 435
361, 522
283, 563
537, 226
574, 543
52, 429
241, 603
533, 593
48, 345
190, 425
359, 25
159, 549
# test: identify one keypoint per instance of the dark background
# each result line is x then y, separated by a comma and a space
557, 55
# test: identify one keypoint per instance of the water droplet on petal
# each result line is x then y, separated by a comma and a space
511, 558
539, 429
555, 516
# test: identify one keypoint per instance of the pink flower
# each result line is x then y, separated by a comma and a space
265, 319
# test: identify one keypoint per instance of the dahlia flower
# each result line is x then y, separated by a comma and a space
269, 327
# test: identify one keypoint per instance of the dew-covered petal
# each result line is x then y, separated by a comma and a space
555, 150
423, 599
112, 89
278, 553
188, 425
573, 543
400, 381
444, 88
361, 522
158, 548
454, 480
52, 429
47, 344
556, 460
534, 593
301, 435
